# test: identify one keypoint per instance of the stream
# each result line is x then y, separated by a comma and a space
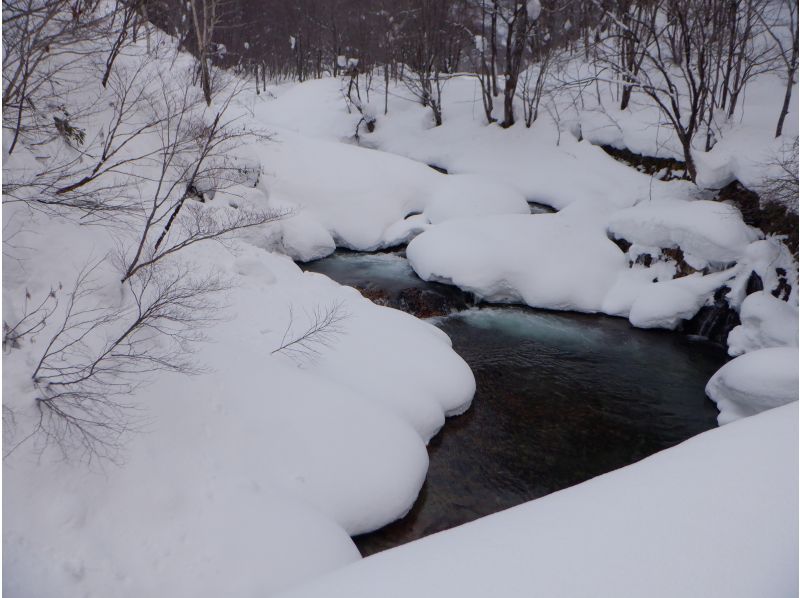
561, 397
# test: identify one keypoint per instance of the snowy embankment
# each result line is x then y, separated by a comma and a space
676, 253
714, 516
249, 477
755, 382
245, 478
347, 196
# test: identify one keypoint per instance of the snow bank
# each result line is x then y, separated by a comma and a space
664, 304
774, 264
466, 196
353, 193
305, 239
714, 516
754, 382
560, 261
362, 199
544, 260
706, 231
266, 457
766, 322
250, 476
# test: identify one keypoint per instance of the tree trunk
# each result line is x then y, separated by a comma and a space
386, 89
514, 50
626, 96
787, 98
493, 73
691, 170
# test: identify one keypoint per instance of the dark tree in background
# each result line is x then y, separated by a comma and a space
692, 59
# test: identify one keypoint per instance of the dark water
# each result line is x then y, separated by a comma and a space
560, 398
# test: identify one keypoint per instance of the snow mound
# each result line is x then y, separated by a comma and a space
354, 193
664, 304
544, 260
766, 322
361, 199
755, 382
714, 516
463, 196
262, 458
772, 261
305, 239
709, 231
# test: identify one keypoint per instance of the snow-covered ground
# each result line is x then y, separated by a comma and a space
251, 475
248, 478
546, 164
714, 516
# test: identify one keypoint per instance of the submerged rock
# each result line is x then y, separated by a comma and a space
421, 302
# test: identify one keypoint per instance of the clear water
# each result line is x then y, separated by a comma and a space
561, 398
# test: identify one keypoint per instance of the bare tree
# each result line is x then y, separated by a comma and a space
427, 48
205, 16
98, 354
782, 187
675, 69
517, 26
32, 320
788, 50
192, 161
322, 328
44, 46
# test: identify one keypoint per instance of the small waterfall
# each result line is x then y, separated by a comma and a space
714, 322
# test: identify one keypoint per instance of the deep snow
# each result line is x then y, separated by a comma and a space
248, 479
714, 516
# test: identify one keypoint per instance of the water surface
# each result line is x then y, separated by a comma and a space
561, 398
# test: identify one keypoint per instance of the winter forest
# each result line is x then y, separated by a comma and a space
342, 298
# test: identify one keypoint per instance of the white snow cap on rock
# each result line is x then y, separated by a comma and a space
709, 231
755, 382
545, 260
664, 304
766, 322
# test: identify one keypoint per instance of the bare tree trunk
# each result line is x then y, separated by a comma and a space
385, 89
493, 72
787, 98
515, 47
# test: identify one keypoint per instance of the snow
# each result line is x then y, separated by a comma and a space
281, 472
767, 258
545, 163
766, 322
470, 196
540, 260
753, 382
250, 476
359, 198
714, 516
664, 304
534, 9
305, 239
710, 231
566, 261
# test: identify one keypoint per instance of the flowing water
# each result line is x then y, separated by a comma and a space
561, 398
